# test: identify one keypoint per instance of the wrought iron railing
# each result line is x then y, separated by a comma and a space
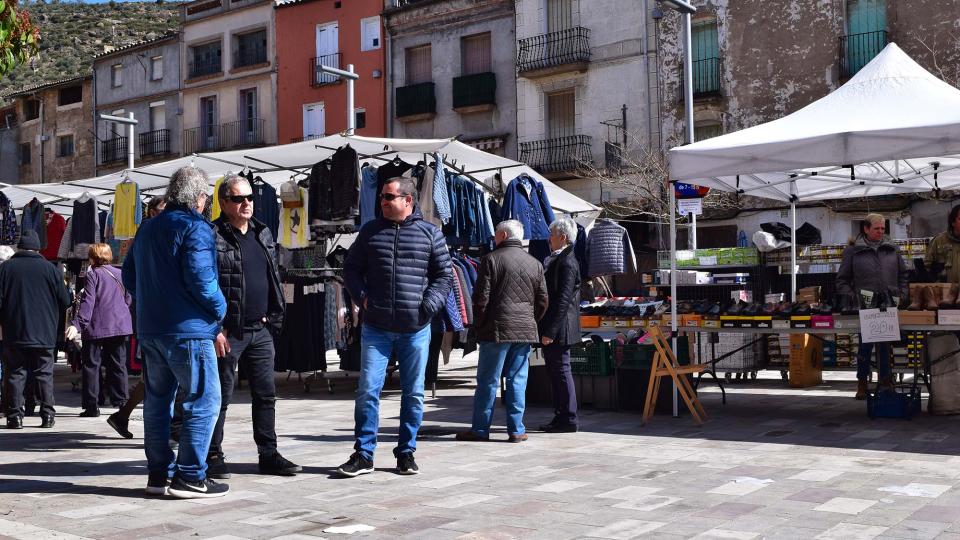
415, 99
249, 56
856, 50
112, 150
319, 78
155, 143
215, 137
706, 77
554, 49
306, 138
205, 66
477, 89
561, 154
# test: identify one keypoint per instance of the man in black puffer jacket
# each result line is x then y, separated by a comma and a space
398, 270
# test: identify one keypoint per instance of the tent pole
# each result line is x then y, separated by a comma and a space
673, 284
793, 250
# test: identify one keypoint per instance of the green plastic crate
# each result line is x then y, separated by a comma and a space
591, 359
635, 356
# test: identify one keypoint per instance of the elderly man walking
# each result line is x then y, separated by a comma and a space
508, 300
171, 271
398, 269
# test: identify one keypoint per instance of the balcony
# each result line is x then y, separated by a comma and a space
113, 150
857, 50
416, 101
250, 56
201, 67
556, 52
706, 78
559, 155
306, 138
319, 78
475, 93
155, 143
218, 137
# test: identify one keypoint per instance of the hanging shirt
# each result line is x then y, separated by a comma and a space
126, 210
215, 207
294, 225
265, 207
56, 226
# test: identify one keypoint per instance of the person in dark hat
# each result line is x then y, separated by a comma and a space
33, 298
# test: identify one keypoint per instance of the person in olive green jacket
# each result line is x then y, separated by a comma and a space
945, 248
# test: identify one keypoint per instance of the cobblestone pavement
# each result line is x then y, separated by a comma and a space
771, 463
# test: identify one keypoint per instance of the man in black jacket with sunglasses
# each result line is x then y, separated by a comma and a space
250, 283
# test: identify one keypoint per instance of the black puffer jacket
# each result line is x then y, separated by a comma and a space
402, 272
510, 296
230, 269
562, 321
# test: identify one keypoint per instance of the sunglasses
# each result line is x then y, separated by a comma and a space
237, 199
391, 196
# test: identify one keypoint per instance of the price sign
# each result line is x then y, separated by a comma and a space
878, 326
690, 206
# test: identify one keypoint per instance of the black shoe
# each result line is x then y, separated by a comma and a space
157, 483
92, 412
560, 428
47, 422
197, 489
278, 465
30, 410
406, 464
217, 467
14, 422
356, 466
119, 424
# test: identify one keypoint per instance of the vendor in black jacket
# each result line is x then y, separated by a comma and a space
251, 285
33, 299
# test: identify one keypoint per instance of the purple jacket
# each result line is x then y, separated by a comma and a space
103, 310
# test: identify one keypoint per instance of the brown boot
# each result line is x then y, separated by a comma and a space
916, 299
861, 389
948, 296
930, 298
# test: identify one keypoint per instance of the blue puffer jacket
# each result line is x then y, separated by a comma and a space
171, 271
401, 270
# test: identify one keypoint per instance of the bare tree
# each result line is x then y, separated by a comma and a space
945, 62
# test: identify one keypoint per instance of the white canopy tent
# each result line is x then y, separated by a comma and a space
893, 128
278, 164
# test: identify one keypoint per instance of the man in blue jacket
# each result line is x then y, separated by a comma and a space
171, 271
398, 270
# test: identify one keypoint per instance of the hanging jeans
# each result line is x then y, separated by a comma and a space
863, 360
411, 352
511, 359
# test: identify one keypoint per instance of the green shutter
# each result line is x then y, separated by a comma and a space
866, 23
706, 58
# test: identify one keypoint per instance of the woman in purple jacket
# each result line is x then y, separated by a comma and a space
104, 324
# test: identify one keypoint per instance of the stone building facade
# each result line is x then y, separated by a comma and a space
9, 139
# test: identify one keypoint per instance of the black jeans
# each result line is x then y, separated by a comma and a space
111, 353
557, 359
253, 351
16, 363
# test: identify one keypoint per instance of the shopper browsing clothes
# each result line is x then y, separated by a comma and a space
104, 325
872, 267
33, 297
250, 283
560, 326
398, 269
944, 249
509, 298
171, 271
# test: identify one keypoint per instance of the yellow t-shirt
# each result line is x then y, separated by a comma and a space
215, 209
294, 224
126, 210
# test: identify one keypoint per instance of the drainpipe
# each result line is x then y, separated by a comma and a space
42, 141
96, 130
388, 50
646, 74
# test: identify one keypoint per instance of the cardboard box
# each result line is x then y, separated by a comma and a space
800, 321
638, 322
782, 324
729, 321
589, 321
821, 321
806, 361
763, 321
710, 322
621, 322
690, 319
948, 316
917, 317
607, 322
846, 321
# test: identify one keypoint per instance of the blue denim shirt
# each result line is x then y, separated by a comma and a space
526, 202
368, 194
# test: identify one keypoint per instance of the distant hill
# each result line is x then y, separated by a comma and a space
73, 32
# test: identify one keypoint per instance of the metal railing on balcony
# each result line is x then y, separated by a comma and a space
706, 77
476, 89
205, 66
415, 99
250, 56
155, 143
562, 154
216, 137
306, 138
112, 150
554, 49
856, 50
319, 78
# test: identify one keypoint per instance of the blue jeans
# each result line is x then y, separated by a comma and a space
883, 360
377, 347
497, 358
191, 364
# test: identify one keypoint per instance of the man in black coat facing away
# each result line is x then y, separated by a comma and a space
33, 299
560, 327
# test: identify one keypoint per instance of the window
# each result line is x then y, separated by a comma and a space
360, 118
707, 131
370, 33
116, 75
25, 153
156, 68
706, 59
251, 49
114, 129
31, 109
313, 121
559, 15
205, 59
866, 34
561, 115
475, 54
64, 145
209, 134
70, 94
158, 116
419, 66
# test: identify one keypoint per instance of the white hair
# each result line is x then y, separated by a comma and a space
186, 186
566, 227
512, 227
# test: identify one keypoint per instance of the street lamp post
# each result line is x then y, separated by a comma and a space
350, 76
130, 122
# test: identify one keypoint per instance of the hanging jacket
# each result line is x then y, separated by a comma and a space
265, 207
401, 271
9, 228
510, 296
56, 227
526, 201
562, 319
609, 250
104, 309
34, 218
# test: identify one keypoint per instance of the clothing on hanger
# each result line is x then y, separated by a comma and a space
85, 225
34, 218
56, 226
525, 200
294, 225
215, 204
126, 210
265, 205
609, 250
9, 228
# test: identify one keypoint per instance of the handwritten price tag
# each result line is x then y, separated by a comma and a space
879, 326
